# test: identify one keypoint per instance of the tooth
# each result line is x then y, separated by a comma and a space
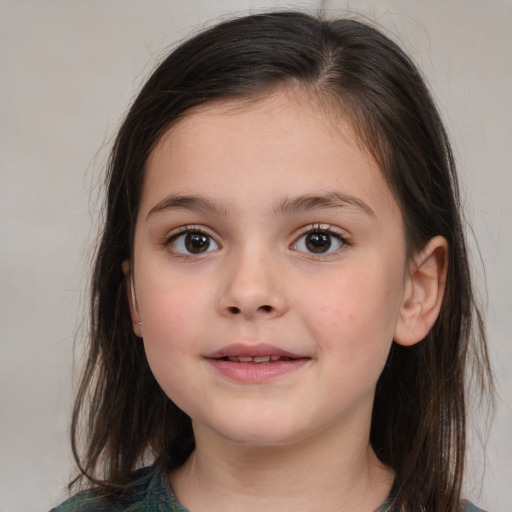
275, 358
244, 359
261, 359
233, 359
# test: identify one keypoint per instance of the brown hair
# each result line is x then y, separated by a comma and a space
418, 422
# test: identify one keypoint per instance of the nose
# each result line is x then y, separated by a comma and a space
252, 288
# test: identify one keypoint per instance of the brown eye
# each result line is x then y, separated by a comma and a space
193, 242
196, 242
318, 242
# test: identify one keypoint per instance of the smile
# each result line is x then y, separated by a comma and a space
252, 364
255, 352
255, 359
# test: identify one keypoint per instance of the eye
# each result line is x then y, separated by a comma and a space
192, 242
319, 241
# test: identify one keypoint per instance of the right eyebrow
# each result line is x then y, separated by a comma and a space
188, 202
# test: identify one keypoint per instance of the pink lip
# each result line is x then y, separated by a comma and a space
251, 372
246, 350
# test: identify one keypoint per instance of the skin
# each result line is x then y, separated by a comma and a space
299, 441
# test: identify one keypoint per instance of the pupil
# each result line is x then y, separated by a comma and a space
318, 242
196, 242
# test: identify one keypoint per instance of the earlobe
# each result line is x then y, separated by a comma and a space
423, 292
132, 299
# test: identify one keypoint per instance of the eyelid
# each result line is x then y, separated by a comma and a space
189, 228
176, 233
324, 228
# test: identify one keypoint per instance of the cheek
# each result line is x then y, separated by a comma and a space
355, 312
171, 308
172, 334
172, 327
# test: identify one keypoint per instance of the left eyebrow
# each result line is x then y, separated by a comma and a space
329, 200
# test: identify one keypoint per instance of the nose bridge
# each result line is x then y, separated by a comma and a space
252, 284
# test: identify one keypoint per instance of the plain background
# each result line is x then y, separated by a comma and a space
68, 70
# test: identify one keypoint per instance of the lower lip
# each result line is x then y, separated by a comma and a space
256, 372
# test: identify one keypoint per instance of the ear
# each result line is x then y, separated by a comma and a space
423, 292
132, 299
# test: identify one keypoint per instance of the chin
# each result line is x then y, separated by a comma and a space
260, 433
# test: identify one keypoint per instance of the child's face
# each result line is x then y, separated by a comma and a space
263, 231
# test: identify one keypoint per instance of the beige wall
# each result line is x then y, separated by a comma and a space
67, 72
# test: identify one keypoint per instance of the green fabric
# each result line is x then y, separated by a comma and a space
152, 492
469, 507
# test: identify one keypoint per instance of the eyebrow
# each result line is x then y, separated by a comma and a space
189, 202
320, 201
286, 205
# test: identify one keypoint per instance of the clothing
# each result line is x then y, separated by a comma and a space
153, 493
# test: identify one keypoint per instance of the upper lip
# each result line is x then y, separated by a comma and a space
248, 350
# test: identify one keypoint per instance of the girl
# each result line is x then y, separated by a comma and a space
282, 309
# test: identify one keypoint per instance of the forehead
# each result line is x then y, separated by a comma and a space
284, 143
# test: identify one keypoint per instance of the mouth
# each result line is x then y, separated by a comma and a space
255, 363
256, 359
249, 353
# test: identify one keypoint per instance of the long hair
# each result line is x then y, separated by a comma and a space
418, 421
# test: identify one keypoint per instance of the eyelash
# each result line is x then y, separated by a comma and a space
326, 231
182, 232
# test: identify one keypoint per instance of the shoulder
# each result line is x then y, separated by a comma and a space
85, 501
88, 501
467, 506
149, 491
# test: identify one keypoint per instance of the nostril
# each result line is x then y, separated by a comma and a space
234, 310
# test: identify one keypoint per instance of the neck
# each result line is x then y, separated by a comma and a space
335, 474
